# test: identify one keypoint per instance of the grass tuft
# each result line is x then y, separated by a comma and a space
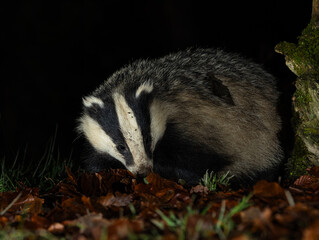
225, 223
43, 173
222, 228
211, 180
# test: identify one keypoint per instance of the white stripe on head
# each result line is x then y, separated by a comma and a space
98, 138
144, 87
132, 133
90, 100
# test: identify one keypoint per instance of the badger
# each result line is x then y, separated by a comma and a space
183, 114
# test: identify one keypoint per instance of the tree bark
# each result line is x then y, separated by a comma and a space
315, 11
303, 60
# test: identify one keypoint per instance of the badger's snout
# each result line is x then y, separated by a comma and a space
142, 170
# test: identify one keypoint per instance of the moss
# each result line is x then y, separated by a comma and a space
302, 98
299, 162
306, 99
311, 132
303, 58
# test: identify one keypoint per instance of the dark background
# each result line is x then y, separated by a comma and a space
55, 52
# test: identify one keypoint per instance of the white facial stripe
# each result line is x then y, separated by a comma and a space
144, 87
158, 116
88, 101
131, 132
98, 138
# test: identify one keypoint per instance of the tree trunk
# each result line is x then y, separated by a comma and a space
303, 60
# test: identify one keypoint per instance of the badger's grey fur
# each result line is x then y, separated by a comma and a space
185, 113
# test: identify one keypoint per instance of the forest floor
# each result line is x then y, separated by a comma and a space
116, 205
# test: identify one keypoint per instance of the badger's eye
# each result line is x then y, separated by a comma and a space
121, 148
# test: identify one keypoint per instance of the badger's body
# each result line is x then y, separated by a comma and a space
185, 113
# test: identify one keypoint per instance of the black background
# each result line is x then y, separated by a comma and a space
55, 52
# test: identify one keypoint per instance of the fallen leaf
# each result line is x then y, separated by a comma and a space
121, 228
198, 225
118, 200
266, 189
169, 236
314, 171
3, 221
241, 237
37, 222
304, 181
56, 228
199, 189
72, 208
71, 176
93, 225
87, 203
249, 215
25, 200
311, 232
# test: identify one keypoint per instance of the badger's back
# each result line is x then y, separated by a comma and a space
207, 109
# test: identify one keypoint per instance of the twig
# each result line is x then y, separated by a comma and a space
11, 204
290, 199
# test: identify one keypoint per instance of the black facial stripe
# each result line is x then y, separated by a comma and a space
96, 161
108, 120
140, 107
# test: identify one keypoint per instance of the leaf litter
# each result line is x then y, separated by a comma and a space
117, 205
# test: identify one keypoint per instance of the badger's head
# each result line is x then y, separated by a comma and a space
123, 126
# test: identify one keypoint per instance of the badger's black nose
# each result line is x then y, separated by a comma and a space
143, 171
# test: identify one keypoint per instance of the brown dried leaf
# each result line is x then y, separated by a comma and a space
307, 182
36, 222
264, 189
87, 203
241, 237
165, 194
121, 228
197, 224
311, 232
169, 236
92, 225
314, 171
119, 200
56, 228
257, 221
304, 181
73, 207
90, 184
3, 221
68, 190
71, 176
249, 215
35, 205
314, 187
102, 183
26, 199
158, 186
180, 200
199, 189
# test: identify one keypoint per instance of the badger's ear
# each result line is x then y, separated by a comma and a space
145, 87
90, 101
218, 88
